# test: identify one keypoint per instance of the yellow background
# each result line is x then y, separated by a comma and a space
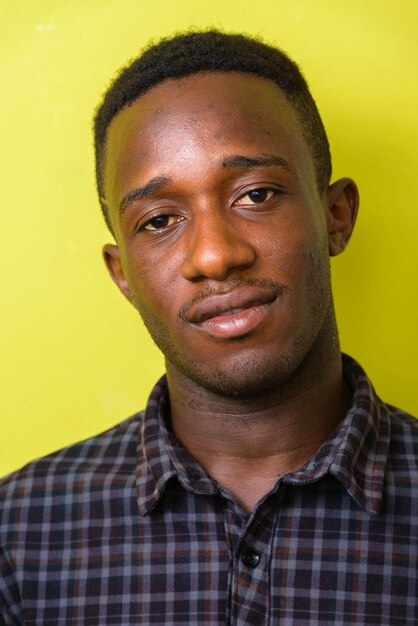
75, 358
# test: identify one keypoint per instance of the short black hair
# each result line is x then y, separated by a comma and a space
212, 51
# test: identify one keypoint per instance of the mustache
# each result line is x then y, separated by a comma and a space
211, 290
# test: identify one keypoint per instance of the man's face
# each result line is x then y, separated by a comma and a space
223, 243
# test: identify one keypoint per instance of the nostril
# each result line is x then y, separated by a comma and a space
216, 255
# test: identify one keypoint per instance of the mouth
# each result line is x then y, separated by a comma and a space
233, 314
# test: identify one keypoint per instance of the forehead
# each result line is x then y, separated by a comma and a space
220, 113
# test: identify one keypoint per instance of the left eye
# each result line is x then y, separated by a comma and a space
255, 196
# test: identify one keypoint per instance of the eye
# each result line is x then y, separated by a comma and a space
256, 196
159, 222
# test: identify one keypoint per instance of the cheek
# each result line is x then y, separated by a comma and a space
317, 285
296, 249
153, 282
300, 256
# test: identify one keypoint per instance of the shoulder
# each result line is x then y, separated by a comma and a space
58, 478
401, 468
403, 449
52, 504
404, 427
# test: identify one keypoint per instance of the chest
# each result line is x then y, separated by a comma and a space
307, 556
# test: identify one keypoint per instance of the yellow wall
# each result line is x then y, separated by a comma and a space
74, 356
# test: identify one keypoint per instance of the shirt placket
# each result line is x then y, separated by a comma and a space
250, 540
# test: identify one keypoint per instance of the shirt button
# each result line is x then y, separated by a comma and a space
250, 558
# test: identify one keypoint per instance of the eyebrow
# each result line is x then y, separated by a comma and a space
263, 160
234, 161
151, 187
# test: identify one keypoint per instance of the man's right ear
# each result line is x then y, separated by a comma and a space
111, 255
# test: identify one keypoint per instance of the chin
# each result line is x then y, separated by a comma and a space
249, 373
253, 371
246, 376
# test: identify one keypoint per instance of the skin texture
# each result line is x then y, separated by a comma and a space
223, 245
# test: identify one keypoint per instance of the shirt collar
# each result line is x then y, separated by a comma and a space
162, 458
355, 454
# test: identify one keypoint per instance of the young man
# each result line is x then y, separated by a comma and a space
265, 482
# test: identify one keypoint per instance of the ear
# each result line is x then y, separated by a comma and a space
342, 200
111, 255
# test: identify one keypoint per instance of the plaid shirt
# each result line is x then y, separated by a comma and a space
126, 529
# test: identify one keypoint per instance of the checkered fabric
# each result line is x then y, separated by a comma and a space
126, 529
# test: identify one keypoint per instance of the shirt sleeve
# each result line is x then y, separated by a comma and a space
10, 600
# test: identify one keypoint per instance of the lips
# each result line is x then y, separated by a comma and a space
228, 303
235, 313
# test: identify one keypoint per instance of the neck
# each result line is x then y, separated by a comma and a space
246, 443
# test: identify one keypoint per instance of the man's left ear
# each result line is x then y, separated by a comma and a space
342, 200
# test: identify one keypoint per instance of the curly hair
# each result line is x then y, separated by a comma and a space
212, 51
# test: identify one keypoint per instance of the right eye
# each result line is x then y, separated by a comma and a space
159, 222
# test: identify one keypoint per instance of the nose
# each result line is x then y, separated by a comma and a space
216, 248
